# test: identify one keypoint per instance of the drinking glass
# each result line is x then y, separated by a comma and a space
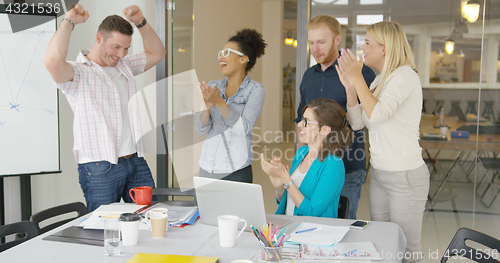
112, 236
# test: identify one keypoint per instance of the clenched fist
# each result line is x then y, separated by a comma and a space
134, 14
77, 14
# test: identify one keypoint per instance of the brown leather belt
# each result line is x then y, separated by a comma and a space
127, 156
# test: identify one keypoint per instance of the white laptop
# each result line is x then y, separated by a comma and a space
220, 197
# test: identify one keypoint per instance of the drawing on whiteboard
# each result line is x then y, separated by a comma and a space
13, 104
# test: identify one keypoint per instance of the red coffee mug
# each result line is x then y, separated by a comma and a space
143, 195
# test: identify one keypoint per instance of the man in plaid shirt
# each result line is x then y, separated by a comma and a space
99, 87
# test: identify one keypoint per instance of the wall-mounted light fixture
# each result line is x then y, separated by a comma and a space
440, 53
289, 39
181, 49
295, 43
461, 54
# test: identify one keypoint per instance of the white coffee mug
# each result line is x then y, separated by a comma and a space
163, 211
228, 229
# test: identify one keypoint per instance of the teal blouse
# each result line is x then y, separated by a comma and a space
321, 186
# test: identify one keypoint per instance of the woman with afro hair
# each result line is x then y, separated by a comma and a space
231, 107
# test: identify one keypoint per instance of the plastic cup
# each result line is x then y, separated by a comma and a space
270, 254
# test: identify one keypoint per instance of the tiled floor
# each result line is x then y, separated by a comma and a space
439, 227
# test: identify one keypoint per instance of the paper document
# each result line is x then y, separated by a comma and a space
324, 235
352, 251
116, 209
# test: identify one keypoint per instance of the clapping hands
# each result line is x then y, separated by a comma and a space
349, 67
275, 169
211, 95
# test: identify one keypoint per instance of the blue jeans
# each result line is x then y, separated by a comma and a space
105, 183
352, 190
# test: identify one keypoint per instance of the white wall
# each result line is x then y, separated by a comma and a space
56, 189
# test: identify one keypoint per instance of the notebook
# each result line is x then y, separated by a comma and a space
153, 258
78, 235
220, 197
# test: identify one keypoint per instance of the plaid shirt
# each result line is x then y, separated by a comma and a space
94, 99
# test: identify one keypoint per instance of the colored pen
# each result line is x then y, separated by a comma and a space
109, 216
282, 232
307, 230
281, 241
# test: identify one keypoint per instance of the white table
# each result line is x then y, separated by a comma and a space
198, 240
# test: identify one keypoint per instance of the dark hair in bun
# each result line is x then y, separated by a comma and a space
251, 44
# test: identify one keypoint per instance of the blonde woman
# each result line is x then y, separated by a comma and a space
391, 110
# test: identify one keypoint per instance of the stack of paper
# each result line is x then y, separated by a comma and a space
322, 235
116, 209
355, 251
179, 216
151, 258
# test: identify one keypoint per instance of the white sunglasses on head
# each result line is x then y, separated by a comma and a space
225, 53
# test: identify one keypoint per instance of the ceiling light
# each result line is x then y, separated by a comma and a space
295, 43
289, 39
472, 10
181, 49
449, 45
463, 8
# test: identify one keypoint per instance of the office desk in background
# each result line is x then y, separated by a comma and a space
485, 142
197, 240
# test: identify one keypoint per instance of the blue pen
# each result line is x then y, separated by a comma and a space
307, 230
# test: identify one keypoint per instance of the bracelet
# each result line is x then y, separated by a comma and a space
71, 22
143, 23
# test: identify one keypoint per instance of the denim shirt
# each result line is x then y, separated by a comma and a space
228, 146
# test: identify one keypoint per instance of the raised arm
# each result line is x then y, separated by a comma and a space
153, 47
55, 57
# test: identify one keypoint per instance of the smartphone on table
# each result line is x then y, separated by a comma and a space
360, 224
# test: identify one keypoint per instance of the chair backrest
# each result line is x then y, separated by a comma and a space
457, 246
24, 227
343, 207
78, 207
176, 192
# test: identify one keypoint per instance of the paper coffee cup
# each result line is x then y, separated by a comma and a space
158, 223
129, 224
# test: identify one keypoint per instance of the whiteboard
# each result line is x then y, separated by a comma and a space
29, 128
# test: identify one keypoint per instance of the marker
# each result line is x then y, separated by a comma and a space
307, 230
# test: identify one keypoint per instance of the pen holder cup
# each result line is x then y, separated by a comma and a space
270, 254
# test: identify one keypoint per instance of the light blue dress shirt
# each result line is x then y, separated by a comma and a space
228, 146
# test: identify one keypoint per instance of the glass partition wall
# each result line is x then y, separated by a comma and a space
460, 78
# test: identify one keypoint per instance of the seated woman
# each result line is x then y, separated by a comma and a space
231, 108
312, 187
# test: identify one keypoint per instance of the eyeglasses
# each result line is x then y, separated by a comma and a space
306, 122
225, 53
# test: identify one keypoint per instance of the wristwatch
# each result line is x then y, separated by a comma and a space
286, 186
143, 23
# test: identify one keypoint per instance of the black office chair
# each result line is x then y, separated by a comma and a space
343, 207
26, 229
77, 207
457, 246
176, 192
